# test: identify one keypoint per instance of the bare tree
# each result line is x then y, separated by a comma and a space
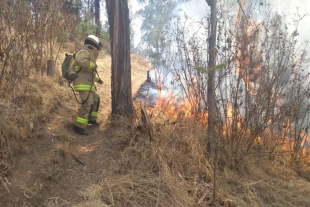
97, 17
210, 91
261, 95
118, 15
32, 32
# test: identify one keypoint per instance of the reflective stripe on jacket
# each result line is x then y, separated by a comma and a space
84, 87
84, 65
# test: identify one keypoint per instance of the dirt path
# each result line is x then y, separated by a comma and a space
55, 169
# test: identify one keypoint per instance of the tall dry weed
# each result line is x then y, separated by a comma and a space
174, 170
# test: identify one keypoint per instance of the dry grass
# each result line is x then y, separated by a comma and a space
170, 171
173, 170
24, 112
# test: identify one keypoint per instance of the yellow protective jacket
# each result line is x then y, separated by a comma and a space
84, 65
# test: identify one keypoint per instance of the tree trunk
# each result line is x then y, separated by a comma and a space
50, 68
210, 91
97, 17
118, 15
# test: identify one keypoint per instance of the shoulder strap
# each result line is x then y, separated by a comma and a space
75, 53
73, 59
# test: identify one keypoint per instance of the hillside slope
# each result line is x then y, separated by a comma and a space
47, 168
117, 165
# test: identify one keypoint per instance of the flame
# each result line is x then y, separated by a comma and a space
229, 110
188, 108
173, 108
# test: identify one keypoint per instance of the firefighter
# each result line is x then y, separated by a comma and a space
86, 68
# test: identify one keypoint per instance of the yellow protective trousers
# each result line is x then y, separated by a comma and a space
88, 110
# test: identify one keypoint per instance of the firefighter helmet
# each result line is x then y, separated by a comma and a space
94, 41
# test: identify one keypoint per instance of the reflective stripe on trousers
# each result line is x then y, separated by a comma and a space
81, 120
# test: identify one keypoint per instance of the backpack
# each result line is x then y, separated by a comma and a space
67, 68
69, 74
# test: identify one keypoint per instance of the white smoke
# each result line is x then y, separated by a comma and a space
194, 8
296, 7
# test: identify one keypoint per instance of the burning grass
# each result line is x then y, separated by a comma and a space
174, 170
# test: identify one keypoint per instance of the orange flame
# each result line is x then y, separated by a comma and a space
187, 108
229, 110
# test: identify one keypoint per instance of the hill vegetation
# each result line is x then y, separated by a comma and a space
44, 164
157, 158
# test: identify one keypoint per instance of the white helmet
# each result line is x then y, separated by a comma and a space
93, 40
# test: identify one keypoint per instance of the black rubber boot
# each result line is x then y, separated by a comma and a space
80, 131
93, 123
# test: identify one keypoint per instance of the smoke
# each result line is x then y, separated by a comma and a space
199, 9
194, 8
295, 8
289, 8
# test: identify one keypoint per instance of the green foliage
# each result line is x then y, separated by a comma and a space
87, 26
208, 70
155, 15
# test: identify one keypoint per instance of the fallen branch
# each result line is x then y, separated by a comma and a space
146, 120
77, 159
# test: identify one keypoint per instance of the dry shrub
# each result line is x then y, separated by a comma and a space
169, 171
174, 170
259, 181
